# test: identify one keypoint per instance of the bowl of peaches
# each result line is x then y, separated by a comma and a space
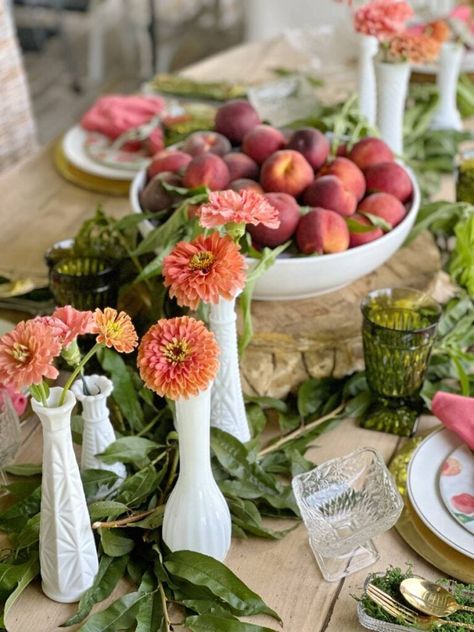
343, 215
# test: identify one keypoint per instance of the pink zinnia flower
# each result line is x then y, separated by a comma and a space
382, 18
204, 270
244, 207
27, 354
114, 330
177, 358
77, 322
59, 329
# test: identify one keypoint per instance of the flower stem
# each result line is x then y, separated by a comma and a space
77, 370
165, 608
114, 524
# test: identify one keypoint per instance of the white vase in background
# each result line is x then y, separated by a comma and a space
196, 517
227, 401
68, 556
368, 47
98, 432
392, 86
447, 114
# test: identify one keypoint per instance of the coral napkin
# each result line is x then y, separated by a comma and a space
457, 413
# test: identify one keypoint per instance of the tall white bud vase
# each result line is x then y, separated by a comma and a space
98, 432
227, 401
196, 517
392, 86
368, 47
447, 114
68, 556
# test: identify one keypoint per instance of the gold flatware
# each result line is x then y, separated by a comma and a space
430, 598
406, 615
16, 287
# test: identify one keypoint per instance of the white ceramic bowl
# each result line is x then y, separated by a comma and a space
293, 278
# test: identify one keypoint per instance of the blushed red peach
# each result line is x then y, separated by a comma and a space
245, 183
384, 205
350, 175
389, 177
286, 171
262, 141
203, 142
289, 215
155, 197
312, 144
235, 118
208, 170
370, 151
322, 231
168, 160
359, 239
241, 166
329, 192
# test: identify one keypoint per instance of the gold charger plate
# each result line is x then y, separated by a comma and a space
87, 180
414, 531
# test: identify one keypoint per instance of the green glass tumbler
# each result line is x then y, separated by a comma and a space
85, 282
398, 331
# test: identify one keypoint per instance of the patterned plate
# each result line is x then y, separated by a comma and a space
456, 484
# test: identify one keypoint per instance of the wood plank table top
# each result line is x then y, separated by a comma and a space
38, 208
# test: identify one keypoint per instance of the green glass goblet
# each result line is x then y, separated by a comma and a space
398, 331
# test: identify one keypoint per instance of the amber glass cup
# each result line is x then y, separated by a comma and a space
85, 282
398, 331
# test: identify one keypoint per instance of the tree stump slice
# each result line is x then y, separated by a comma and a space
321, 337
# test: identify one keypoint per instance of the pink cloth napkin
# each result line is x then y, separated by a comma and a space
115, 114
18, 400
456, 413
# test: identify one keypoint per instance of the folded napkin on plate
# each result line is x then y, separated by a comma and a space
457, 413
115, 114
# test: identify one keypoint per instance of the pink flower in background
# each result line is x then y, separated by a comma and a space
244, 207
463, 13
463, 503
59, 329
382, 18
77, 322
18, 400
451, 467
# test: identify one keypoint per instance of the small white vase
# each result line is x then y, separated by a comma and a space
98, 432
68, 556
447, 114
392, 86
227, 401
196, 517
368, 47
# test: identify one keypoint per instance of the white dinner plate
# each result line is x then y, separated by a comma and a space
456, 484
423, 490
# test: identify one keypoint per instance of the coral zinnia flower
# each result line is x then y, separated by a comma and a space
177, 358
27, 354
115, 330
439, 30
382, 18
244, 207
413, 47
204, 270
78, 323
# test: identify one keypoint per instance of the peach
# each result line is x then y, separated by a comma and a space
312, 143
155, 197
389, 177
358, 239
168, 160
207, 169
203, 142
322, 231
245, 183
261, 142
241, 166
384, 205
351, 176
370, 151
235, 118
289, 214
329, 192
286, 171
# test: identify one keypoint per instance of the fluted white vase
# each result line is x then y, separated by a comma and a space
196, 517
227, 401
447, 115
368, 47
68, 556
392, 86
98, 432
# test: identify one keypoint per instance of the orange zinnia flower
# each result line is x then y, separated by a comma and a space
204, 270
115, 330
77, 322
439, 30
27, 354
244, 207
417, 48
177, 358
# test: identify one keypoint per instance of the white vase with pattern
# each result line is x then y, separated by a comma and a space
392, 87
98, 432
196, 517
368, 47
227, 401
68, 555
447, 115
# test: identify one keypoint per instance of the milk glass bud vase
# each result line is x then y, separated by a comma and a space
98, 432
368, 47
392, 85
196, 517
447, 115
227, 407
68, 556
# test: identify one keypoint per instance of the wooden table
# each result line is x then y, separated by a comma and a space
38, 208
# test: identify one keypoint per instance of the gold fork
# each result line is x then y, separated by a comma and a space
407, 615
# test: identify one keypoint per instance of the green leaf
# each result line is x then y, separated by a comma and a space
106, 509
29, 571
115, 544
359, 405
256, 418
153, 521
23, 469
377, 221
128, 450
213, 623
93, 480
111, 570
203, 570
120, 615
137, 487
207, 606
356, 227
13, 519
268, 402
169, 232
29, 535
230, 452
132, 220
150, 614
